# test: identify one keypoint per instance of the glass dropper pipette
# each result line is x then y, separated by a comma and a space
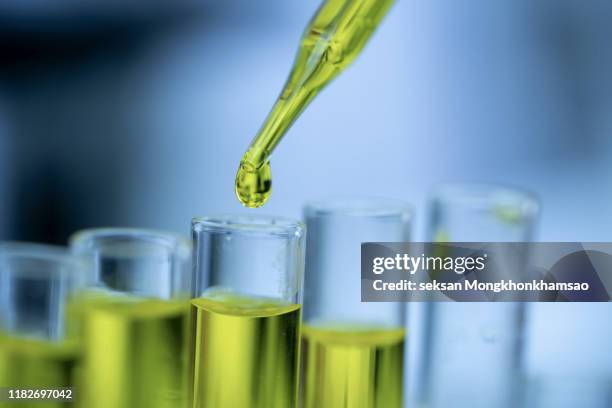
335, 36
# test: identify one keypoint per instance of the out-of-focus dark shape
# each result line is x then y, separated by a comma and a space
55, 66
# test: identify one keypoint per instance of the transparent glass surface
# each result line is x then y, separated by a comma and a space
138, 262
246, 319
353, 351
481, 213
134, 318
471, 352
39, 345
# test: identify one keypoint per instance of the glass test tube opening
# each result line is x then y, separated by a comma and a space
353, 351
246, 319
480, 342
135, 318
38, 342
480, 212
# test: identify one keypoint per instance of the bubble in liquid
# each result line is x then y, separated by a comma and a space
489, 335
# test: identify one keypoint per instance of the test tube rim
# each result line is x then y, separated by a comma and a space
55, 254
179, 244
266, 225
372, 207
484, 195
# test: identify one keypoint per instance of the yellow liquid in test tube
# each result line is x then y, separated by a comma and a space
37, 364
135, 353
246, 352
332, 40
352, 368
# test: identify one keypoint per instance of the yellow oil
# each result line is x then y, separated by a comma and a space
254, 185
28, 363
334, 37
352, 367
245, 352
135, 353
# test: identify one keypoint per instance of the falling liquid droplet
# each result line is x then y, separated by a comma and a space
253, 185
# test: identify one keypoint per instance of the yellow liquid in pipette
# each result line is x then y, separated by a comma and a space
353, 368
332, 40
254, 185
245, 352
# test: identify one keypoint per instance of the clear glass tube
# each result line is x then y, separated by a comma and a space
246, 319
135, 318
353, 351
471, 352
38, 342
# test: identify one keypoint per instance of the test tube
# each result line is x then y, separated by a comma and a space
353, 352
246, 319
135, 318
471, 352
38, 344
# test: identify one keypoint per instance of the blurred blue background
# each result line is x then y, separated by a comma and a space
137, 113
